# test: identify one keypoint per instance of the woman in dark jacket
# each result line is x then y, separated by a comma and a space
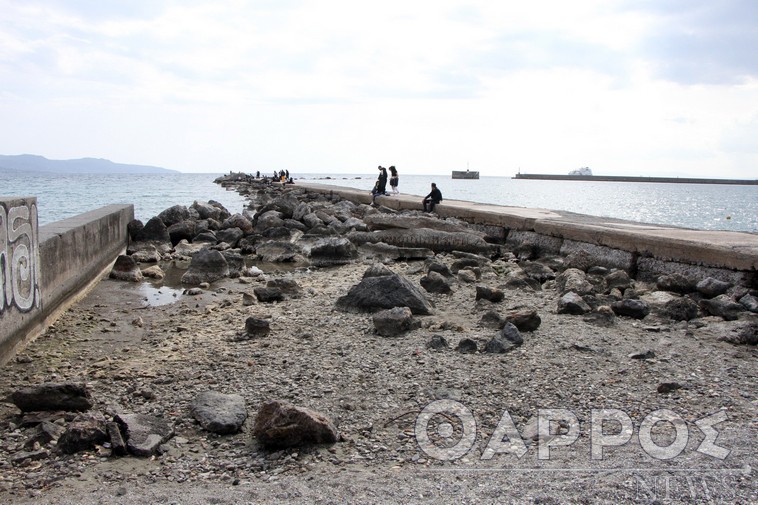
394, 179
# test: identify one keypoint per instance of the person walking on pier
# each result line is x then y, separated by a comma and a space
433, 198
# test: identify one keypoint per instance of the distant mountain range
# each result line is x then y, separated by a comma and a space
30, 164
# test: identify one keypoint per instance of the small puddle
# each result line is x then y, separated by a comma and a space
155, 296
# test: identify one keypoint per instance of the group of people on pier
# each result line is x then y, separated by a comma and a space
380, 189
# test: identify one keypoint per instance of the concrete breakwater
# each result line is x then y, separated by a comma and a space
43, 270
645, 251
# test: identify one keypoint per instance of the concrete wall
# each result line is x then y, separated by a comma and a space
51, 266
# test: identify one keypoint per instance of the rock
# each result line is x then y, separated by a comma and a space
506, 340
681, 309
331, 251
440, 268
207, 265
603, 316
617, 279
518, 279
279, 424
248, 299
118, 444
173, 215
154, 231
184, 248
710, 287
257, 327
202, 240
289, 287
239, 221
492, 319
434, 282
437, 342
183, 230
209, 211
572, 303
219, 413
235, 262
511, 333
538, 271
393, 252
494, 295
311, 220
466, 346
154, 272
676, 283
668, 387
377, 270
52, 396
467, 263
575, 280
394, 322
144, 253
525, 320
468, 276
144, 433
268, 220
231, 236
83, 433
278, 252
384, 292
436, 240
268, 295
642, 355
750, 303
133, 228
126, 269
722, 306
636, 309
44, 433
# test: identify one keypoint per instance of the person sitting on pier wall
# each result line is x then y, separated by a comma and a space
432, 199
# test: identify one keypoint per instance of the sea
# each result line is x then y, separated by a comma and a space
695, 206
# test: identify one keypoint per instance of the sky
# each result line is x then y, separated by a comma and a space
643, 87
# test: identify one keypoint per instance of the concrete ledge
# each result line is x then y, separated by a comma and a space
733, 251
73, 255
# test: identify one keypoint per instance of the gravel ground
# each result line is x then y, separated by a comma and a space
156, 359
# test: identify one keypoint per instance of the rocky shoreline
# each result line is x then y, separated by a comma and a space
360, 318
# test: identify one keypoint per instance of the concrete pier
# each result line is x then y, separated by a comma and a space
649, 249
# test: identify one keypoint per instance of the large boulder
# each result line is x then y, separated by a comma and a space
207, 265
436, 240
384, 292
183, 230
126, 269
279, 424
238, 221
278, 252
636, 309
154, 231
710, 287
173, 215
722, 306
573, 280
435, 282
52, 396
329, 251
218, 412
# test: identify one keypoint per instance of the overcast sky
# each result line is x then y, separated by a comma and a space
624, 87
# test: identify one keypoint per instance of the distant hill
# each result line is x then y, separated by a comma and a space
30, 164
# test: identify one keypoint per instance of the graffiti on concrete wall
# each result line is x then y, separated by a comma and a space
19, 256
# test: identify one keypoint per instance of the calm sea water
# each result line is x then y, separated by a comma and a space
698, 206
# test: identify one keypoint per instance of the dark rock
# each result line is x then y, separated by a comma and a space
311, 220
209, 211
437, 342
642, 355
636, 309
235, 261
440, 268
525, 320
291, 224
289, 287
384, 292
750, 302
44, 433
572, 303
118, 444
394, 322
710, 287
52, 396
144, 434
436, 240
278, 252
722, 306
668, 387
518, 279
466, 346
465, 263
134, 227
231, 236
257, 327
83, 433
618, 279
207, 265
492, 319
268, 295
676, 283
154, 231
434, 282
330, 251
511, 334
267, 220
494, 295
24, 457
143, 252
206, 236
174, 215
279, 424
538, 271
219, 413
393, 252
239, 221
126, 269
681, 309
